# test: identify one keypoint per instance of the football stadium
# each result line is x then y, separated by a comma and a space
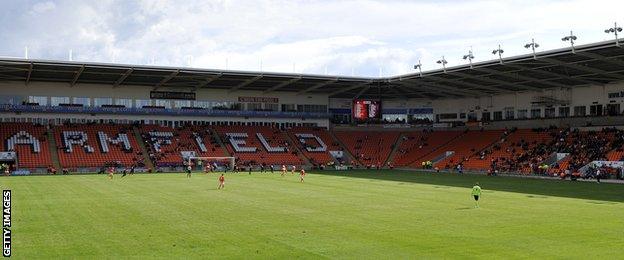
508, 156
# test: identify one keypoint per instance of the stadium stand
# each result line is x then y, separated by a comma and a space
416, 145
316, 150
504, 154
464, 147
258, 144
166, 144
501, 138
30, 143
370, 148
97, 145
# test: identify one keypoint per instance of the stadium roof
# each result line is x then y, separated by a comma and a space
592, 64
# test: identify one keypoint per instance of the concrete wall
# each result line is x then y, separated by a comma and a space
149, 119
580, 96
143, 92
22, 91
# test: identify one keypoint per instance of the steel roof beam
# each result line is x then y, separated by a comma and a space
554, 75
495, 81
30, 70
470, 85
514, 74
122, 78
444, 91
78, 73
245, 83
166, 79
208, 81
599, 57
577, 67
364, 89
282, 85
317, 86
349, 88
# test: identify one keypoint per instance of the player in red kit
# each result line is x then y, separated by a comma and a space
221, 182
302, 174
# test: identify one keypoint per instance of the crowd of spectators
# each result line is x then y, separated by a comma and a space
582, 148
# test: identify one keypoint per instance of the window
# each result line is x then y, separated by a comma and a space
549, 112
142, 102
580, 110
254, 106
509, 114
163, 103
271, 106
472, 116
613, 109
536, 113
227, 105
462, 115
486, 116
522, 114
498, 115
182, 103
236, 106
55, 101
564, 111
202, 104
447, 116
395, 118
595, 110
312, 108
98, 102
84, 101
289, 108
123, 102
42, 101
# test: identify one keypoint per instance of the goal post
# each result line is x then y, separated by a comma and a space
229, 161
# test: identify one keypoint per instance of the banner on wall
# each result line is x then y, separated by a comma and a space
172, 95
258, 99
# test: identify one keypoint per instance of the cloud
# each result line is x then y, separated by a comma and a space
42, 7
340, 37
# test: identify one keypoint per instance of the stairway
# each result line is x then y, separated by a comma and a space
443, 156
395, 148
346, 151
435, 149
53, 149
220, 142
300, 154
147, 160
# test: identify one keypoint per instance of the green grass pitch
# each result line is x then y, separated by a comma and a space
356, 214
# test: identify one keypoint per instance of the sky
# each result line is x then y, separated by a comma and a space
368, 38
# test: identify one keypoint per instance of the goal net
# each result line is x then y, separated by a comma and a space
216, 163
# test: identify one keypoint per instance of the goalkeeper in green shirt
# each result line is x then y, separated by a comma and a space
476, 193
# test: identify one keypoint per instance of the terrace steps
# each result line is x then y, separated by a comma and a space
53, 150
147, 160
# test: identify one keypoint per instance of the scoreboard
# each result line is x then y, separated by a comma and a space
364, 110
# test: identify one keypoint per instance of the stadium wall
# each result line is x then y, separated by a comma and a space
147, 119
564, 97
143, 92
20, 92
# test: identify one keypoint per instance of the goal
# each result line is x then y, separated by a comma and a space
221, 161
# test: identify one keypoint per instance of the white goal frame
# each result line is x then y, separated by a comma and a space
232, 160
